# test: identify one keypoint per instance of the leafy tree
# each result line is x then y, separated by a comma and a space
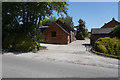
62, 19
81, 30
52, 18
116, 31
68, 20
26, 17
48, 21
29, 13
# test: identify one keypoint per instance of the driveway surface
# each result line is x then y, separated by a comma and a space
21, 67
70, 60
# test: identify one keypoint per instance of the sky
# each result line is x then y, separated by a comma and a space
95, 14
119, 11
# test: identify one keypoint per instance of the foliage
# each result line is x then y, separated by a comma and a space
79, 36
25, 17
89, 34
82, 32
100, 48
62, 19
29, 14
36, 36
19, 42
108, 45
43, 47
47, 22
68, 20
116, 31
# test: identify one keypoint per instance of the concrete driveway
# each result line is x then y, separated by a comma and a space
59, 61
22, 67
74, 52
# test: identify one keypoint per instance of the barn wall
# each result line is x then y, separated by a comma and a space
61, 36
94, 37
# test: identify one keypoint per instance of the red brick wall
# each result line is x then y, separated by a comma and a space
111, 24
94, 37
61, 36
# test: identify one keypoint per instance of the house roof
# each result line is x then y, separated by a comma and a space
110, 24
43, 27
101, 30
64, 26
106, 28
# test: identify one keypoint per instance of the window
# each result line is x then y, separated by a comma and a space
53, 34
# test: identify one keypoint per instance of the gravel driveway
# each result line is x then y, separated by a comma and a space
74, 52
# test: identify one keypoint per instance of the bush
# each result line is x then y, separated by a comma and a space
108, 45
100, 48
43, 47
19, 42
116, 31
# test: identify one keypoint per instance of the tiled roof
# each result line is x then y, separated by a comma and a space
101, 30
110, 24
64, 26
43, 27
106, 28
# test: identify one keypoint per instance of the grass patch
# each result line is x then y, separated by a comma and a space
87, 38
43, 47
108, 55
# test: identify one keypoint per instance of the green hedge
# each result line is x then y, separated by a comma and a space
19, 42
108, 45
116, 31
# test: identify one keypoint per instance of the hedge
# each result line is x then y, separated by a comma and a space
19, 42
108, 45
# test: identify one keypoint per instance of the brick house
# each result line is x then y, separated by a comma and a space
42, 28
104, 31
59, 33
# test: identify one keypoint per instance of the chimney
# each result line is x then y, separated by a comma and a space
113, 18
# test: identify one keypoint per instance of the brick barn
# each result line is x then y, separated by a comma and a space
104, 31
59, 33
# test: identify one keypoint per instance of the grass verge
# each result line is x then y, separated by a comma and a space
106, 55
43, 47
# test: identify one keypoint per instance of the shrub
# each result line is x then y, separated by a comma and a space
19, 42
43, 47
100, 48
80, 36
116, 31
108, 45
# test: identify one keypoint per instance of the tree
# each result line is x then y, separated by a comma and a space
62, 19
68, 20
48, 21
26, 17
29, 13
81, 30
116, 31
52, 18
